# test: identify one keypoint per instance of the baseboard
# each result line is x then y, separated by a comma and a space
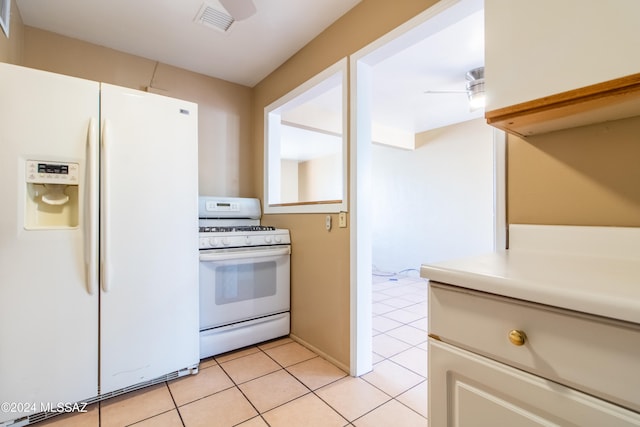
320, 353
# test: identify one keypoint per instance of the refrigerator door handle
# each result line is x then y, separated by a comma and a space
91, 215
104, 205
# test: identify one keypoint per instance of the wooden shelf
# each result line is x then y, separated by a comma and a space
611, 100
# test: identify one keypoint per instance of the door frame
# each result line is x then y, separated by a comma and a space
360, 66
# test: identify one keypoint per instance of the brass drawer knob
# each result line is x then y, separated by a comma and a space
517, 337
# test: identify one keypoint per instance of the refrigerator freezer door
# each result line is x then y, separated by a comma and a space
149, 219
48, 316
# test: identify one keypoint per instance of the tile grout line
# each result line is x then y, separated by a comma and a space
240, 390
176, 403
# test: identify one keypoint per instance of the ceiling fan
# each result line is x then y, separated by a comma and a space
474, 88
239, 9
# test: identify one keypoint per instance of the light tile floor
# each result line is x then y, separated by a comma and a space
282, 383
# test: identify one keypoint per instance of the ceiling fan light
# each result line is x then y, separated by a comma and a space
475, 74
475, 92
476, 101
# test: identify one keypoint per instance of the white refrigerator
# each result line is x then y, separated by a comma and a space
98, 239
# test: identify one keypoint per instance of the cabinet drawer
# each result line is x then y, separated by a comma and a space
596, 355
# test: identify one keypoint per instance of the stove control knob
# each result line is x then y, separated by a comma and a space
278, 239
247, 241
213, 241
225, 241
267, 239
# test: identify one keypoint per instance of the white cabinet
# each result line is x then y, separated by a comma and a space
551, 65
470, 390
536, 49
571, 369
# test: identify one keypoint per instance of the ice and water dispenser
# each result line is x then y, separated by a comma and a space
51, 195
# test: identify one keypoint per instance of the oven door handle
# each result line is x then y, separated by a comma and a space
229, 255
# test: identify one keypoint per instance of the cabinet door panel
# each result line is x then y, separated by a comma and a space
542, 53
469, 390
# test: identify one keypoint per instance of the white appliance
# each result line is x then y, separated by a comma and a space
244, 276
98, 270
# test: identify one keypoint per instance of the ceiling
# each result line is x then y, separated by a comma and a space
435, 55
165, 31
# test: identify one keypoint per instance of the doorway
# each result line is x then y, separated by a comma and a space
405, 149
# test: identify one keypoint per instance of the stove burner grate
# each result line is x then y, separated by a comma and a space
227, 229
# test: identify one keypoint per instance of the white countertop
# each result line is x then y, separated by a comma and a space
595, 284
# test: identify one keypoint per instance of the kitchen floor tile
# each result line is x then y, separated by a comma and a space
414, 359
388, 346
91, 418
275, 343
391, 413
398, 290
376, 358
422, 324
316, 372
249, 367
378, 308
210, 361
392, 378
379, 297
418, 297
167, 419
352, 397
383, 324
223, 409
135, 406
254, 422
400, 302
236, 354
207, 381
272, 390
307, 411
409, 334
403, 316
289, 354
419, 308
416, 398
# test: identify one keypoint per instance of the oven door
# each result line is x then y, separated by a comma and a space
238, 284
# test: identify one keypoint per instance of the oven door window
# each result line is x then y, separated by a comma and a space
241, 282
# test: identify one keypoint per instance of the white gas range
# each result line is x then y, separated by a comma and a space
244, 276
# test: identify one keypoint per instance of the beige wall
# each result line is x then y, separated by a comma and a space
11, 47
319, 179
320, 259
224, 109
583, 176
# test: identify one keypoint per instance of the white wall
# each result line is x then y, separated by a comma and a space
435, 202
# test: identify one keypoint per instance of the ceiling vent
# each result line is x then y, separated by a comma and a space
213, 15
